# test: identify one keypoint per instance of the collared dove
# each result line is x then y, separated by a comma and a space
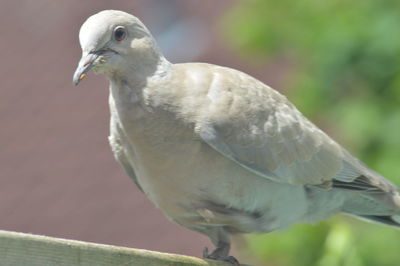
216, 150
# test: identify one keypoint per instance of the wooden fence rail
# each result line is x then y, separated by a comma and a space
20, 249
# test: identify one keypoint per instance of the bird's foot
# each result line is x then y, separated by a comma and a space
216, 256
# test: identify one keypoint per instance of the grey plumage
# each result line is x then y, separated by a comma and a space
218, 151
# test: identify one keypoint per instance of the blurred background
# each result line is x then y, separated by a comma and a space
338, 61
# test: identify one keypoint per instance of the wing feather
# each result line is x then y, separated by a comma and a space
261, 130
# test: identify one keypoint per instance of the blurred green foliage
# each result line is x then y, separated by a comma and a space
347, 74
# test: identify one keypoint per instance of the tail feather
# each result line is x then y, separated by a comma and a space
392, 220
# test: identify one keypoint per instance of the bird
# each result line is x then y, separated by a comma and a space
216, 150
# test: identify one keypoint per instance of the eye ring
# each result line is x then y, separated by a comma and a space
119, 33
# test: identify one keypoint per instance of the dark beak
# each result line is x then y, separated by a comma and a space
85, 64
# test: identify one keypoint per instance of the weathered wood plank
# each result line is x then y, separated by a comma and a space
20, 249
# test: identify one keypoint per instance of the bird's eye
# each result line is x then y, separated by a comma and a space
119, 33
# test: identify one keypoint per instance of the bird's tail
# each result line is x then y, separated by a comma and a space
392, 220
371, 197
380, 207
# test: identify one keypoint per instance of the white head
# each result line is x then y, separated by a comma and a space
116, 43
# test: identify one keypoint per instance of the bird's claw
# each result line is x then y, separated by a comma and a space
213, 256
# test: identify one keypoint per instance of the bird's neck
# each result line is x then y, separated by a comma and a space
138, 72
129, 85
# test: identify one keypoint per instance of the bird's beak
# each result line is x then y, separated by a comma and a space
85, 64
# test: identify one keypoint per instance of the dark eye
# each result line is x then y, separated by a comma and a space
119, 33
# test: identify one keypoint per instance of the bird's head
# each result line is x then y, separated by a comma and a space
114, 42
